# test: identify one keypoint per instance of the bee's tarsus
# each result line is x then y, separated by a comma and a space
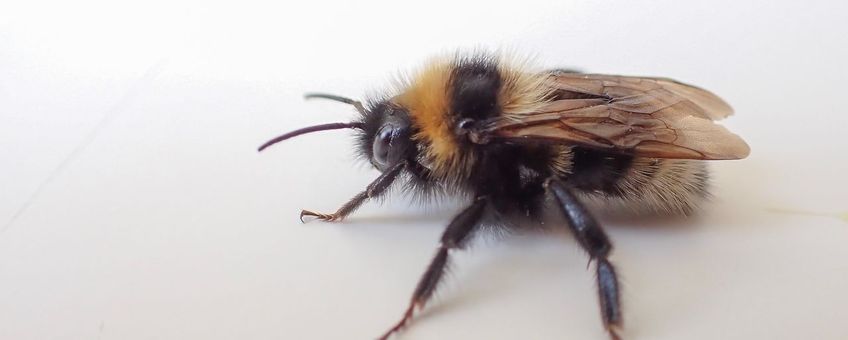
613, 333
407, 316
320, 216
304, 213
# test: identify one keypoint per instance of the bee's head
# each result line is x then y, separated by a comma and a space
386, 136
384, 132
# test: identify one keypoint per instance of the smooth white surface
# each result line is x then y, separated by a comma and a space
133, 204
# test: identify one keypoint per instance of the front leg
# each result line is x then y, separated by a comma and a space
454, 237
592, 238
375, 189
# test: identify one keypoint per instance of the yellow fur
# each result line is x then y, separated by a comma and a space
523, 91
426, 98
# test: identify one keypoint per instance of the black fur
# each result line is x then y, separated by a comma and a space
474, 85
372, 120
594, 170
512, 176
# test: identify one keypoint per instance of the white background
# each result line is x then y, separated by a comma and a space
133, 204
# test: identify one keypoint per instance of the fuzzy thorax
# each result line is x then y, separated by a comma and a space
427, 96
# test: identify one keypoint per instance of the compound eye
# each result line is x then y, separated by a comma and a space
382, 147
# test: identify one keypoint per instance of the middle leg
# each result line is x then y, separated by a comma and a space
454, 237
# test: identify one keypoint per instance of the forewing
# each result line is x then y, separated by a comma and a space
648, 117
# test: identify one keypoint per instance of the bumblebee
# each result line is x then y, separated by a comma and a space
521, 144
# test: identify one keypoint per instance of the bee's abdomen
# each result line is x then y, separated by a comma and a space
626, 183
